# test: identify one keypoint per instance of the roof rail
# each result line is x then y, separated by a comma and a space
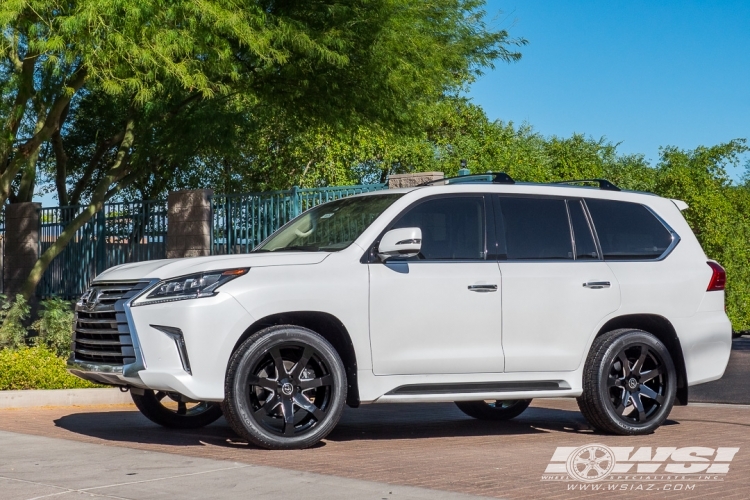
494, 177
603, 183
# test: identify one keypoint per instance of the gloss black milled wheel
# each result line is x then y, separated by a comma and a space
494, 410
629, 383
173, 410
285, 388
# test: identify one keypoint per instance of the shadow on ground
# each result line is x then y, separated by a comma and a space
370, 422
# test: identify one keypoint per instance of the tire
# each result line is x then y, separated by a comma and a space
493, 410
166, 409
278, 403
629, 383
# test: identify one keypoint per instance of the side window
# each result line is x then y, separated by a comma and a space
535, 228
582, 237
452, 227
628, 231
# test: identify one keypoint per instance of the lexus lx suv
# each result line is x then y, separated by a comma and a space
475, 290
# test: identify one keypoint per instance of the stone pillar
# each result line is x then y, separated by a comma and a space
189, 223
412, 180
21, 244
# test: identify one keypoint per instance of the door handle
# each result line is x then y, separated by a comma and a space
483, 288
596, 285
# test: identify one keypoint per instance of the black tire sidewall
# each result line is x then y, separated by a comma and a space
602, 370
246, 357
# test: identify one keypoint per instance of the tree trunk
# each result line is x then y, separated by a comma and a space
116, 174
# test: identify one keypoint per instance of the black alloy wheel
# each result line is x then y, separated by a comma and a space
494, 410
170, 409
285, 388
629, 383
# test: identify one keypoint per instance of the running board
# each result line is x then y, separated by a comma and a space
478, 387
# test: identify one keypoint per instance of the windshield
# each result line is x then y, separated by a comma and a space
329, 227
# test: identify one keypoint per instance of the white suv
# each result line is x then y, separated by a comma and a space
480, 291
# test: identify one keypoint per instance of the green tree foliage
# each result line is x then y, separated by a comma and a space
111, 95
55, 326
13, 314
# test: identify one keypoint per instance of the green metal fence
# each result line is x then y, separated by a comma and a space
119, 233
242, 221
137, 231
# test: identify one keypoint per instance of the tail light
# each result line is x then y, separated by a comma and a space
718, 278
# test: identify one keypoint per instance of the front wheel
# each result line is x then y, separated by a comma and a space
170, 409
494, 410
629, 383
285, 388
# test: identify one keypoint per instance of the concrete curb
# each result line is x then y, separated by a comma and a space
63, 397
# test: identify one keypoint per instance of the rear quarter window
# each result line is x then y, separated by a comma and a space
628, 231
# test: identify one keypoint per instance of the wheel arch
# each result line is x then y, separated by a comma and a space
324, 324
661, 328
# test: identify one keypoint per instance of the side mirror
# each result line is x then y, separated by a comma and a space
405, 242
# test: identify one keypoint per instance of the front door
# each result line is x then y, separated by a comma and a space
439, 312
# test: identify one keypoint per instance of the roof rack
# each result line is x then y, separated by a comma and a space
603, 183
494, 177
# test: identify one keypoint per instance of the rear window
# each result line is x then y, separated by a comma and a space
535, 228
628, 231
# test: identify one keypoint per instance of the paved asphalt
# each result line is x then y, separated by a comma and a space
734, 386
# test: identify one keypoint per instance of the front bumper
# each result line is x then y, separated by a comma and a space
209, 329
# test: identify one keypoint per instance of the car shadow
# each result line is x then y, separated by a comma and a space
369, 422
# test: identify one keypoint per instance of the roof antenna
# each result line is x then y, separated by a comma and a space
464, 170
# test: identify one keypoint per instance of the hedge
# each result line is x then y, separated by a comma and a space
36, 368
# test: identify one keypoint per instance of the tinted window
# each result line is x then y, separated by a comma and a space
452, 228
584, 241
535, 228
628, 231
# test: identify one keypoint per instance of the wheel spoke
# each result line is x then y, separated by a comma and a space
265, 383
636, 370
651, 374
639, 406
302, 363
181, 408
648, 392
278, 363
625, 363
308, 406
316, 382
613, 382
623, 404
287, 409
269, 406
160, 395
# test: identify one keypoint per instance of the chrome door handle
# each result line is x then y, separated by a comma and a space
596, 285
483, 288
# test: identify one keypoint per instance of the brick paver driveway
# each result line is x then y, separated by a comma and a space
435, 446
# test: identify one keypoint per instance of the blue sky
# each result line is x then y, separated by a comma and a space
646, 74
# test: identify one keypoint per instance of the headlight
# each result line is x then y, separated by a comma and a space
193, 286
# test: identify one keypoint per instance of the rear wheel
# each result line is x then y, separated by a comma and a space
172, 410
629, 383
285, 388
494, 410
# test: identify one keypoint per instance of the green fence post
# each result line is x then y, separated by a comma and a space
101, 242
296, 202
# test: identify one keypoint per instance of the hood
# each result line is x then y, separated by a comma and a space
170, 268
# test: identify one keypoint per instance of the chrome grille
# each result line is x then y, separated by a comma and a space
102, 334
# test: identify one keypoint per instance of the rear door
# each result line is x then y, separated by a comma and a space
556, 287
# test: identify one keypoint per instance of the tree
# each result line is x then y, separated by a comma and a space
109, 92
